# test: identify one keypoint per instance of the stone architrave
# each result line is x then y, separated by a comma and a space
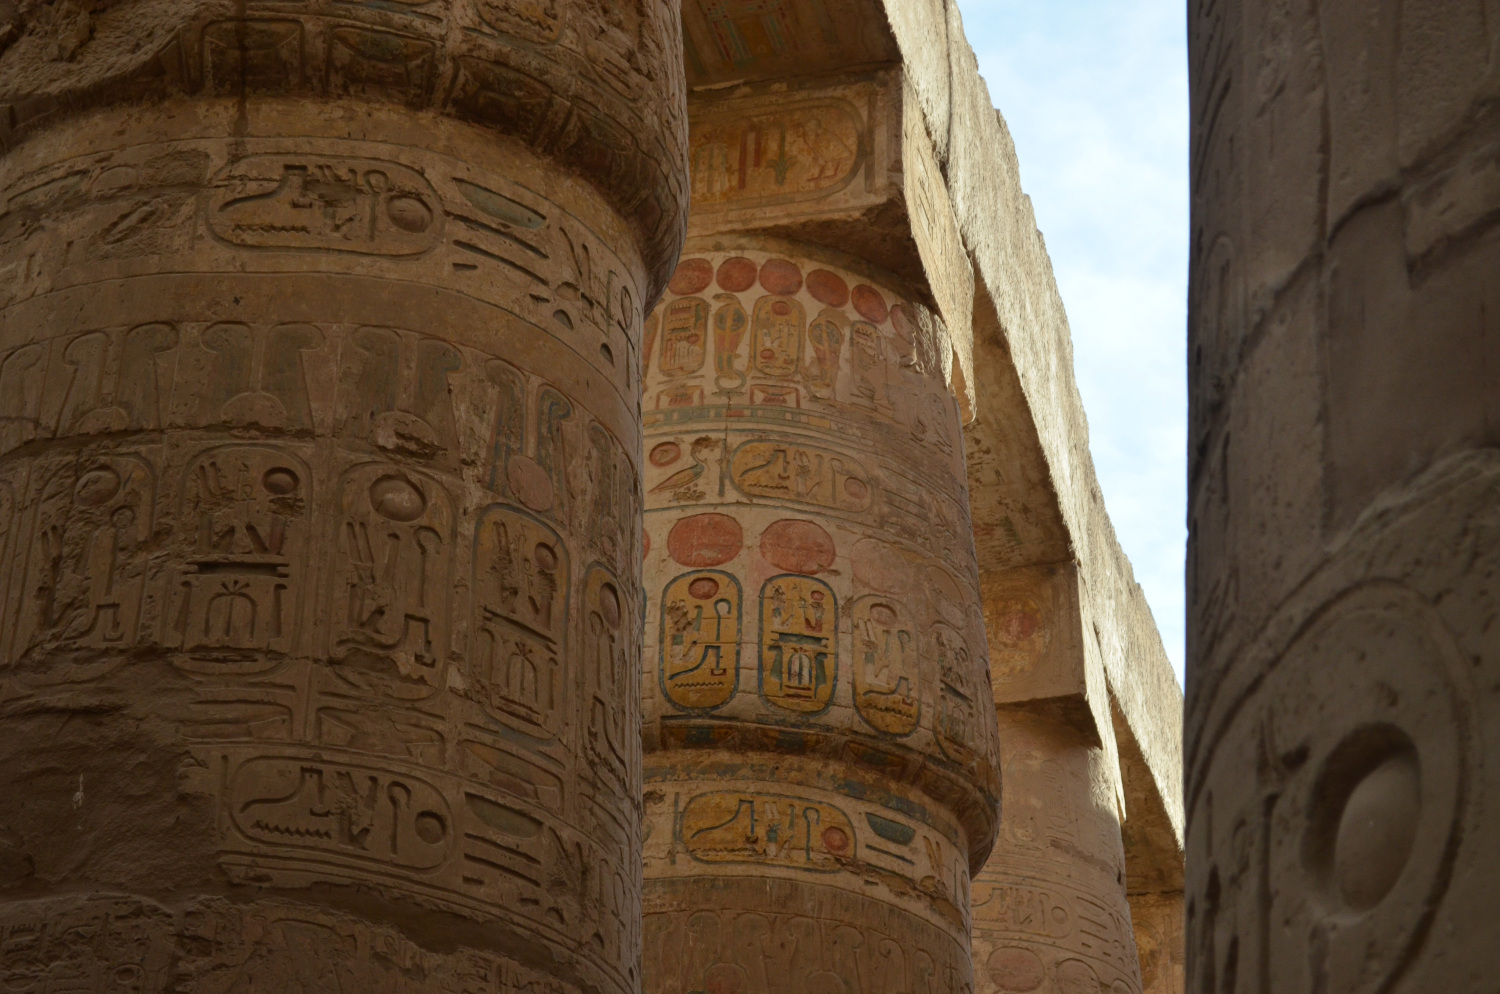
820, 740
319, 515
1342, 657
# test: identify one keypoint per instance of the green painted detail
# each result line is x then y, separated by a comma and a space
500, 206
891, 831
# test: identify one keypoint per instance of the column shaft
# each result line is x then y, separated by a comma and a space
1342, 659
1050, 912
319, 512
820, 741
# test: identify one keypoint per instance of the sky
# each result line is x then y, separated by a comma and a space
1095, 93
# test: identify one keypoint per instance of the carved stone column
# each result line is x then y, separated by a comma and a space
1343, 663
1159, 941
1050, 911
820, 742
319, 521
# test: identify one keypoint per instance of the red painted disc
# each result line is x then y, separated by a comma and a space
797, 546
828, 288
705, 540
781, 277
870, 304
692, 276
736, 275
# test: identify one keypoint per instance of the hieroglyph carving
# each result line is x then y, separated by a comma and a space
802, 473
522, 581
887, 672
392, 563
81, 578
799, 623
700, 639
243, 589
767, 829
801, 150
323, 203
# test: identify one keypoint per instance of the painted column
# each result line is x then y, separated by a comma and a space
820, 765
319, 512
1343, 665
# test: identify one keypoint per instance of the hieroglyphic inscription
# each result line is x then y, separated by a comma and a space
684, 337
700, 639
529, 450
769, 829
256, 376
958, 725
354, 812
245, 543
391, 568
730, 322
366, 63
522, 581
776, 345
802, 473
826, 336
81, 565
610, 664
395, 392
112, 380
799, 619
887, 671
324, 203
801, 151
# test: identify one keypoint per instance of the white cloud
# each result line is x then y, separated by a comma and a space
1095, 93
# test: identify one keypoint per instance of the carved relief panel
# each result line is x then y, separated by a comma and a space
700, 639
522, 582
80, 531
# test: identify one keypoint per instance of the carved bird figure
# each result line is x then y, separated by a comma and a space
687, 477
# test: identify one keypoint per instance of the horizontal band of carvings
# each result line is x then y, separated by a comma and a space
732, 828
364, 231
960, 802
599, 99
1059, 920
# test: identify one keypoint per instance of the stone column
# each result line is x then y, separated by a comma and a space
319, 513
1159, 943
1342, 657
820, 744
1050, 912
